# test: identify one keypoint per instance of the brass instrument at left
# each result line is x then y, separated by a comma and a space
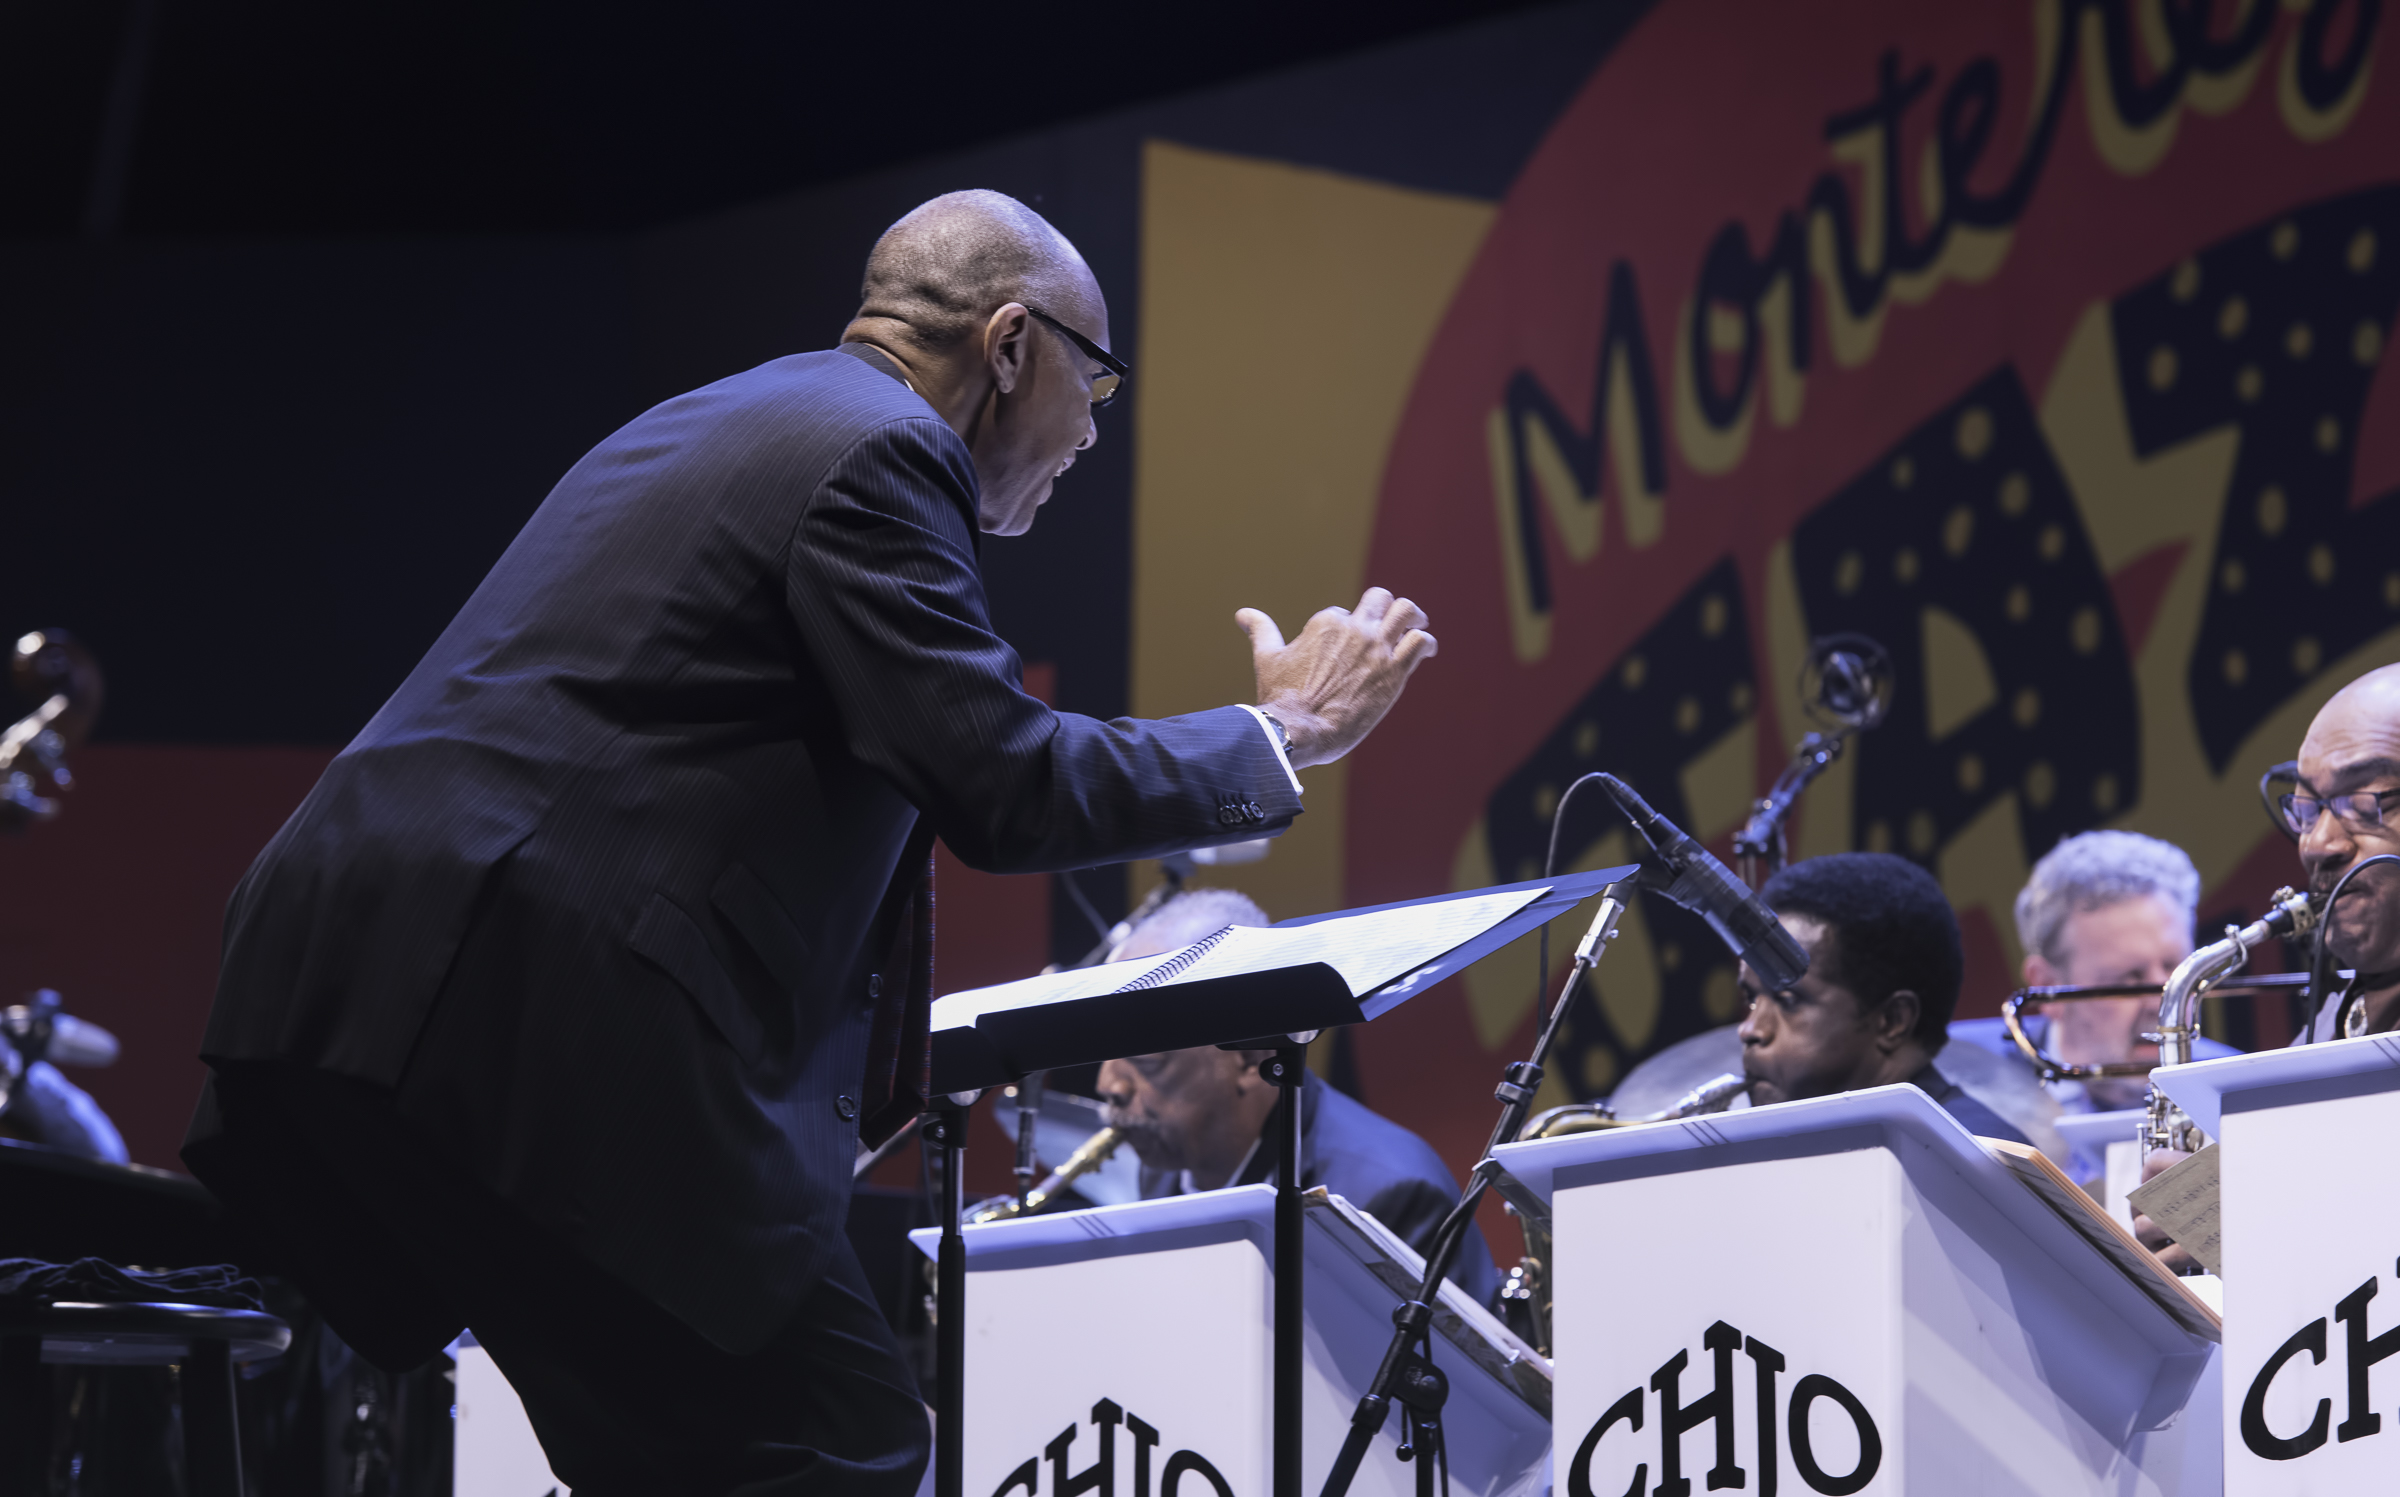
1527, 1287
2050, 1068
1093, 1153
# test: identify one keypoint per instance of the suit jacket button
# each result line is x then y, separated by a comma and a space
874, 985
847, 1108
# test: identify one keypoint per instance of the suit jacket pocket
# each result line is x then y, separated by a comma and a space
743, 898
666, 938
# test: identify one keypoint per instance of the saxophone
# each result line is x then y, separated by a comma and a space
1526, 1293
2290, 914
1092, 1153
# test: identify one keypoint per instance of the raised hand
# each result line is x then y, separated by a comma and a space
1333, 684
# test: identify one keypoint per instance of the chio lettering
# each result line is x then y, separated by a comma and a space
1677, 1418
2360, 1354
1100, 1477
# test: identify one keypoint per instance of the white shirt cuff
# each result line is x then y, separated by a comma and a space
1275, 742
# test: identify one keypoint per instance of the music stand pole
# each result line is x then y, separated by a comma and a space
1286, 1068
948, 1127
1413, 1321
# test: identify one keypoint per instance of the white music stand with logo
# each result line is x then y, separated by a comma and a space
1128, 1350
1247, 988
2310, 1227
1854, 1295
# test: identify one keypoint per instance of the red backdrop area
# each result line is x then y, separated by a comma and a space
118, 903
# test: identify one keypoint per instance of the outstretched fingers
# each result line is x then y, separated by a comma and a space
1399, 617
1265, 637
1416, 647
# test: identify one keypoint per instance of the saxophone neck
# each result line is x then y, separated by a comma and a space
1092, 1153
2289, 914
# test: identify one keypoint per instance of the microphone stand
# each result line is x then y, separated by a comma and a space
1847, 684
1404, 1374
1761, 838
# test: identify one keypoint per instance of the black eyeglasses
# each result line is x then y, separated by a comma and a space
2295, 811
1104, 386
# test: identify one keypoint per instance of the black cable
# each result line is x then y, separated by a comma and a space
1558, 821
2320, 965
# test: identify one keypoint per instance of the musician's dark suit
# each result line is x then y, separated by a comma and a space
594, 907
1376, 1165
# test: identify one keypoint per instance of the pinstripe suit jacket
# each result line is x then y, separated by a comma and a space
595, 893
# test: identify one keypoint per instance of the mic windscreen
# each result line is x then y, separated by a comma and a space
1740, 919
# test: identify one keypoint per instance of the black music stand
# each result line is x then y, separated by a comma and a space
1275, 1009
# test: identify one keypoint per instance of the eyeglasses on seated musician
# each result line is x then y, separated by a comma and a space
2101, 909
2340, 803
1197, 1118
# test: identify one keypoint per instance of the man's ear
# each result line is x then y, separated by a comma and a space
1896, 1020
2039, 973
1008, 345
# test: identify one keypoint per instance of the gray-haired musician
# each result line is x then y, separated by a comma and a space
1197, 1118
2102, 908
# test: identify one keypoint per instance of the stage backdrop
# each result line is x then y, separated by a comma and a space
2038, 341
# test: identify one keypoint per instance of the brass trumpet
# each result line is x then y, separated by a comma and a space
1527, 1289
1092, 1153
2051, 1068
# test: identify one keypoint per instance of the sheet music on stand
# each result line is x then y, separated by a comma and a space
1239, 982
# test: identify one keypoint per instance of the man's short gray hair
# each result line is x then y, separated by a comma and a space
1195, 913
2095, 869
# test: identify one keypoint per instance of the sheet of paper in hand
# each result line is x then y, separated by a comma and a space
2183, 1201
1241, 982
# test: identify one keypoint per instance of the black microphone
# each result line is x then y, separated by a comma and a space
1708, 889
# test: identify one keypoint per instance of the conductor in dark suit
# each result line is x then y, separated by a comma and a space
557, 1008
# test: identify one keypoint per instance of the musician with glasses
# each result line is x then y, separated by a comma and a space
2340, 803
2106, 908
2340, 800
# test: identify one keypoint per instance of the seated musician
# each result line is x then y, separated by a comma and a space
1199, 1119
1884, 968
2343, 809
2101, 909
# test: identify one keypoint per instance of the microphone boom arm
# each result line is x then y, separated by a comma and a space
1761, 838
